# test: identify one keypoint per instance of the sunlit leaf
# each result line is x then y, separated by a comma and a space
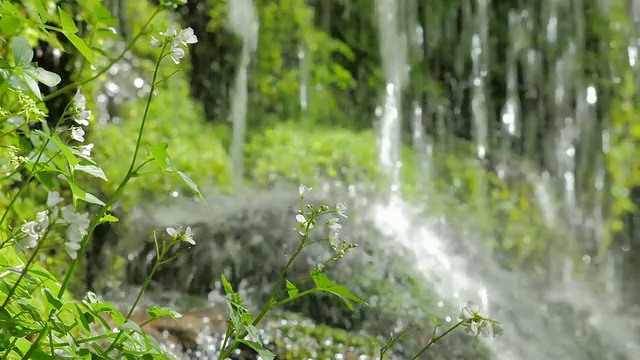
66, 21
91, 170
291, 289
46, 77
83, 195
22, 51
323, 283
81, 46
261, 350
158, 312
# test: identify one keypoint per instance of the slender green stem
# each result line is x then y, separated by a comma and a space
135, 303
437, 338
106, 68
271, 302
32, 173
119, 190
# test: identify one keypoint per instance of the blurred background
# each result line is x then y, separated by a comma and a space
487, 152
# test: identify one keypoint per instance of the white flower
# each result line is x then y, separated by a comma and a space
72, 249
171, 32
172, 232
33, 230
155, 42
76, 229
341, 208
300, 218
303, 190
82, 117
80, 101
53, 199
86, 149
187, 37
188, 236
177, 54
77, 134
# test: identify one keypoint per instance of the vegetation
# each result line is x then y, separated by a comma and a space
47, 123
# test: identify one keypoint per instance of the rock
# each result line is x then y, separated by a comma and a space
248, 238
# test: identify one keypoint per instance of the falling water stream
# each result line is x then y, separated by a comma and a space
244, 22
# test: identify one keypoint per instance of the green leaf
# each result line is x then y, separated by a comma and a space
42, 10
108, 218
291, 289
130, 325
22, 51
66, 21
261, 350
323, 283
81, 46
66, 151
45, 179
52, 299
91, 170
227, 285
83, 195
192, 185
158, 312
160, 156
32, 84
46, 77
9, 24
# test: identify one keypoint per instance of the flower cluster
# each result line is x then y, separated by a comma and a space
76, 226
185, 37
81, 117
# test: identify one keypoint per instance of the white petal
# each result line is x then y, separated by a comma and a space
172, 232
53, 198
300, 218
155, 42
176, 55
77, 134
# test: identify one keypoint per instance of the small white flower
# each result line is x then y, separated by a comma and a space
177, 54
188, 236
33, 230
300, 218
333, 224
77, 223
303, 190
82, 117
171, 32
72, 249
86, 149
155, 42
187, 37
80, 101
341, 208
172, 232
53, 199
77, 134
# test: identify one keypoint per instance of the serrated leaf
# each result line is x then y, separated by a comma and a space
324, 284
91, 170
158, 312
83, 195
81, 46
66, 21
291, 289
22, 51
46, 77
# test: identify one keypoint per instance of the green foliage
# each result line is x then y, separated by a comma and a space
179, 122
327, 153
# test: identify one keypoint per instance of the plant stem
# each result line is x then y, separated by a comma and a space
116, 194
436, 339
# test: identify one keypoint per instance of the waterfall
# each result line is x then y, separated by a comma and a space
244, 22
